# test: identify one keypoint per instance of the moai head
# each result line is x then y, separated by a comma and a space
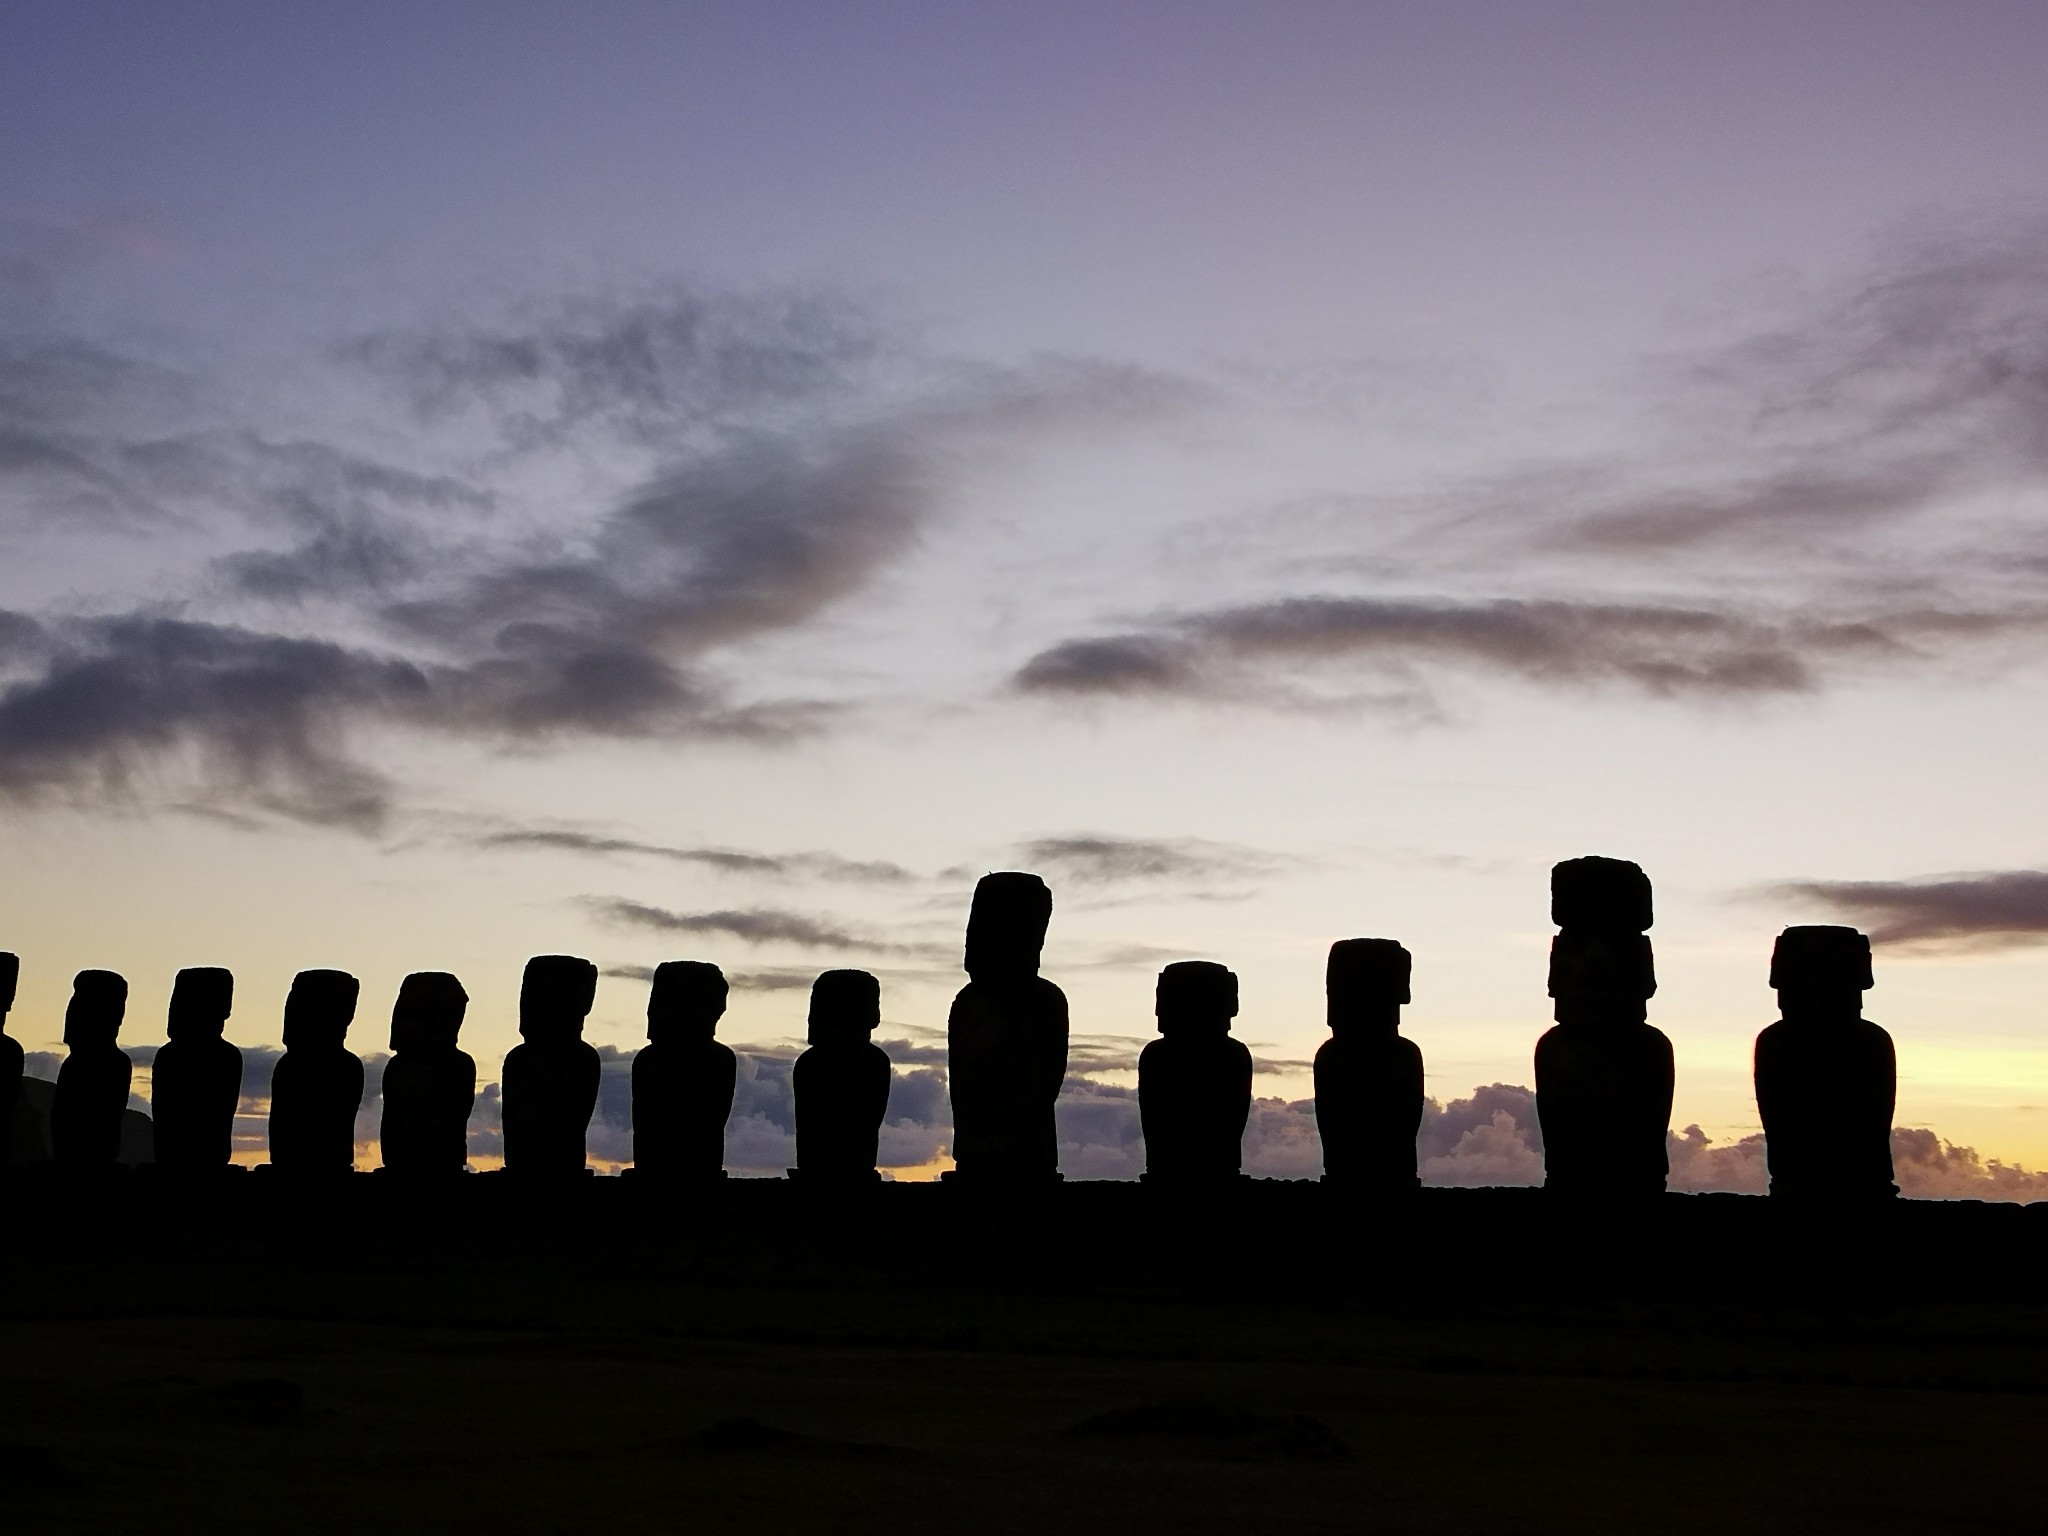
1601, 976
1006, 926
429, 1011
555, 995
10, 974
1366, 983
201, 999
1821, 969
1611, 895
1195, 997
686, 1001
319, 1009
99, 1001
845, 1007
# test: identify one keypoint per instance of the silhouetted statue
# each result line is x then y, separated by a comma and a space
683, 1077
196, 1083
1368, 1079
842, 1082
1006, 1038
317, 1085
92, 1085
1195, 1081
1603, 1075
551, 1079
1826, 1077
13, 1060
429, 1083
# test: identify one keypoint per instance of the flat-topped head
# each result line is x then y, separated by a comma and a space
319, 1009
1608, 894
1599, 976
555, 994
99, 1002
1366, 976
429, 1012
10, 976
685, 1001
202, 997
1006, 925
1821, 966
1195, 994
845, 1005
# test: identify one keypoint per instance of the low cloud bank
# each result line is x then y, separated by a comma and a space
1993, 909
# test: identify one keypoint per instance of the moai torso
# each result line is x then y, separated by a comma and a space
1826, 1078
1368, 1078
683, 1078
196, 1081
93, 1083
1195, 1081
1604, 1076
317, 1085
1006, 1038
841, 1084
429, 1085
551, 1078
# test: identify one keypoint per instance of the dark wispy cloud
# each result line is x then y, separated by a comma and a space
754, 925
1098, 858
1998, 909
806, 865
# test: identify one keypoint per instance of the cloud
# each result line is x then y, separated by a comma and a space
1260, 652
752, 925
1997, 909
1094, 858
732, 861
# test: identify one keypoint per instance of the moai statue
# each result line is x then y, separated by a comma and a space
1826, 1077
1603, 1074
317, 1086
1195, 1081
841, 1083
13, 1060
92, 1085
551, 1079
683, 1077
1368, 1079
1006, 1039
429, 1083
196, 1083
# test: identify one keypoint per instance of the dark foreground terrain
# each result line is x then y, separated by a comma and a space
252, 1356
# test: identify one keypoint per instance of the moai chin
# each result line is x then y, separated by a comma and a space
1603, 1073
1195, 1081
13, 1060
93, 1083
1006, 1039
317, 1086
429, 1085
196, 1080
683, 1077
841, 1083
1826, 1077
551, 1078
1368, 1078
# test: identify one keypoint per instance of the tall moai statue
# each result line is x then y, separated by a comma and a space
92, 1085
552, 1077
1195, 1081
196, 1082
1368, 1078
683, 1077
1603, 1074
429, 1084
1826, 1077
317, 1085
13, 1060
841, 1083
1006, 1039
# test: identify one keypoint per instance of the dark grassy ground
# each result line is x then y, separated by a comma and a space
489, 1358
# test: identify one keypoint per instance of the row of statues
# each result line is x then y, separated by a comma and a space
1825, 1076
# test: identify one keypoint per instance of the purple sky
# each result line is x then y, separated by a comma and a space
473, 476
